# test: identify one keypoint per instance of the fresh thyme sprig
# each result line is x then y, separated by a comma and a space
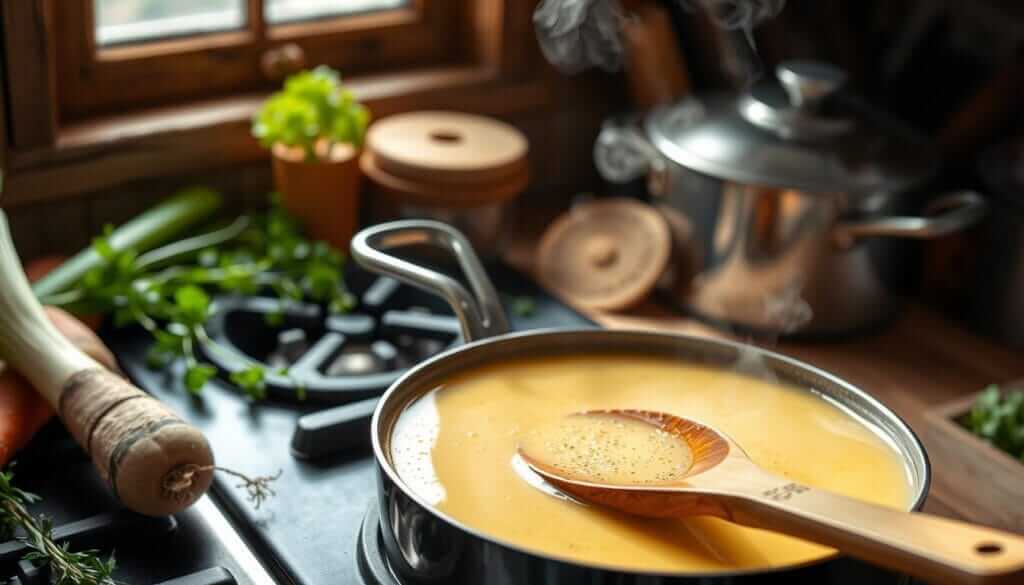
167, 290
67, 567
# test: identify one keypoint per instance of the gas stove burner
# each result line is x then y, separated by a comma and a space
373, 565
335, 358
328, 467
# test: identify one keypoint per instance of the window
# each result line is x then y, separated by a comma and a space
128, 21
116, 54
102, 92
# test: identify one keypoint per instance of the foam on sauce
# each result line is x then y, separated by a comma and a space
609, 449
456, 447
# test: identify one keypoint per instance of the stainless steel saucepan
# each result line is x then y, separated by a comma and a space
788, 187
424, 545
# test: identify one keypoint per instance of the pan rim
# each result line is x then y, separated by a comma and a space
909, 446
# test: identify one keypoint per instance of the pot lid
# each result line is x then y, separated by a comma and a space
797, 131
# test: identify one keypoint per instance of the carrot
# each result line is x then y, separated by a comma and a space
22, 413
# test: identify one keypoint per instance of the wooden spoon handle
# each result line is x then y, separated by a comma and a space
933, 548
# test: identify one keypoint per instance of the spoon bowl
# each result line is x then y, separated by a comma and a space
721, 480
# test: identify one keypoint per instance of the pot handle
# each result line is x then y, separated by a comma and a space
622, 153
480, 313
948, 214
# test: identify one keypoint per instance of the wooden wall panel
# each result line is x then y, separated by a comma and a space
26, 229
65, 227
32, 99
3, 118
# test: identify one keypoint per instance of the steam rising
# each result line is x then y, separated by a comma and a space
579, 34
744, 15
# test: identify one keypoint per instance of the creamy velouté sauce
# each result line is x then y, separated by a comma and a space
456, 447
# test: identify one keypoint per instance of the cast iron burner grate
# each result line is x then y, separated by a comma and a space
307, 534
334, 358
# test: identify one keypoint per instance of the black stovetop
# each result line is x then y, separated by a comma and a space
196, 547
322, 526
308, 534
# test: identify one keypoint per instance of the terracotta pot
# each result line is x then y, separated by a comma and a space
323, 195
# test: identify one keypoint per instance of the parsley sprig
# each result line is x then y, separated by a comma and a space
998, 418
168, 290
67, 567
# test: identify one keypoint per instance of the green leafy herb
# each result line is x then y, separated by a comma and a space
998, 417
168, 290
251, 381
524, 306
67, 567
313, 106
197, 375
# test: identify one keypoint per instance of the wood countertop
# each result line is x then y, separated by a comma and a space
916, 363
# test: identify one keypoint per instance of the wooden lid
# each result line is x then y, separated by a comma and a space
605, 254
687, 253
447, 148
456, 195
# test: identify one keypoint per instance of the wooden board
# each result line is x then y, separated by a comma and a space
989, 484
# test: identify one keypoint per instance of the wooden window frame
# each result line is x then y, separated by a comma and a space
95, 80
491, 71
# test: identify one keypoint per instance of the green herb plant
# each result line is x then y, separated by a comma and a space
524, 306
313, 112
998, 418
168, 290
66, 567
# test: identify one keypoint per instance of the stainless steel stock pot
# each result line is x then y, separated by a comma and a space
424, 545
785, 186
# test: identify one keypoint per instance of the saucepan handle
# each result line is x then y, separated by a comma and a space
479, 313
948, 214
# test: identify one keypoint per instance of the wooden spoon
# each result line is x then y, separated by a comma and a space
722, 481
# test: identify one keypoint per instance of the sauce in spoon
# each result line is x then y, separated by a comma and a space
610, 449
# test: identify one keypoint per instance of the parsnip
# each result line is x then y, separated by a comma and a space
154, 462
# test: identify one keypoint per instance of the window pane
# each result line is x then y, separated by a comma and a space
279, 11
129, 21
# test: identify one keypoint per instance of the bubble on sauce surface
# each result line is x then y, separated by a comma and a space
609, 449
412, 440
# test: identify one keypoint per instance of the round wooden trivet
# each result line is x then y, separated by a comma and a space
605, 254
